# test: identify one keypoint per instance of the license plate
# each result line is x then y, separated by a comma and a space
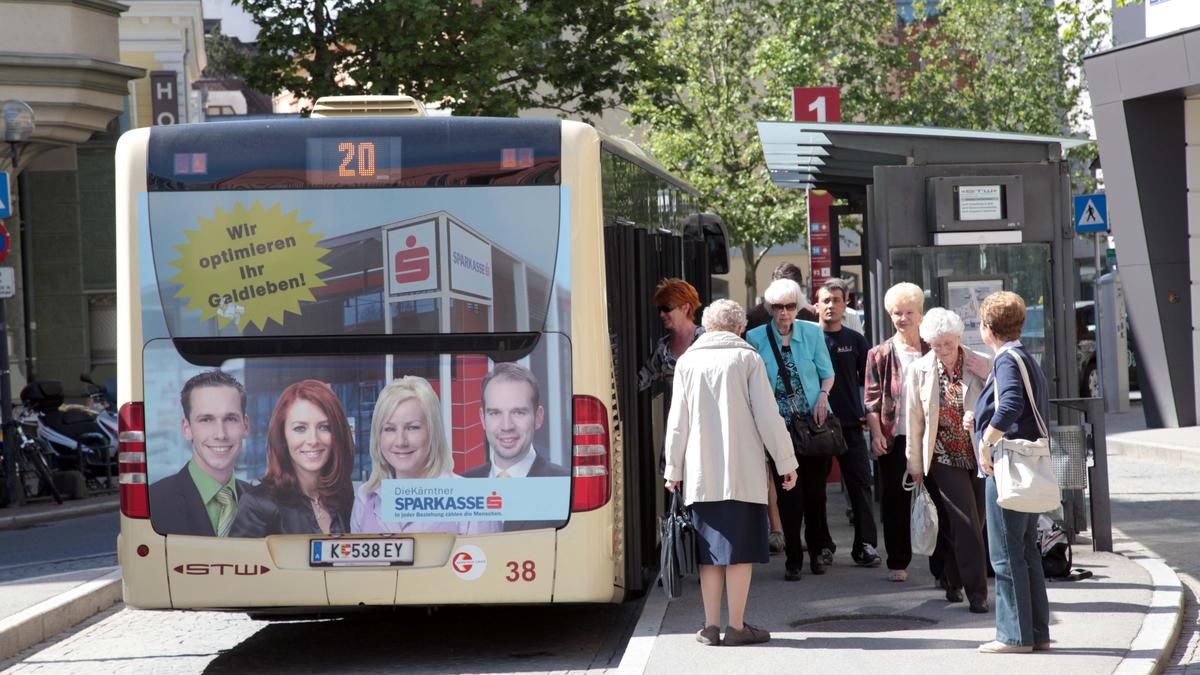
333, 552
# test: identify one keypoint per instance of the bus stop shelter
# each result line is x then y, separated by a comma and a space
959, 213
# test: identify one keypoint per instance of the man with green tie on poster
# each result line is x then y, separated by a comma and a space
201, 498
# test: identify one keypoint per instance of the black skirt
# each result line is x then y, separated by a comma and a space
731, 532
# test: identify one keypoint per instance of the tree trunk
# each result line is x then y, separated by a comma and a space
751, 274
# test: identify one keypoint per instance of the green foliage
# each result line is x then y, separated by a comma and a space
482, 58
974, 64
224, 55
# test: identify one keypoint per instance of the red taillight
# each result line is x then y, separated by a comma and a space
591, 486
131, 460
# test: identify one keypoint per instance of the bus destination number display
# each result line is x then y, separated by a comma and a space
353, 161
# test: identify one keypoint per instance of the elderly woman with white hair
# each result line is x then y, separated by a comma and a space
804, 361
722, 415
939, 400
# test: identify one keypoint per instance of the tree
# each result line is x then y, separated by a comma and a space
224, 54
737, 62
480, 57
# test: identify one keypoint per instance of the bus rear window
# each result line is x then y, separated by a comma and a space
322, 262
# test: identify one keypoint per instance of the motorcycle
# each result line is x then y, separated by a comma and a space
78, 438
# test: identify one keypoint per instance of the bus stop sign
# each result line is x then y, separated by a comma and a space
1091, 213
5, 244
5, 201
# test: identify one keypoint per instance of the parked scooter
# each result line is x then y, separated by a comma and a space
80, 441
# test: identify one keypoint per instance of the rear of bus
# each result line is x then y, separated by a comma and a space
310, 311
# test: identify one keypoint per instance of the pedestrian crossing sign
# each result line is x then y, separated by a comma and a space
1091, 213
5, 199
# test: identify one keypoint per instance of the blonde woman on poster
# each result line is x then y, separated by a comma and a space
408, 441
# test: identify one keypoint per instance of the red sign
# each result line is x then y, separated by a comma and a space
820, 239
5, 243
816, 104
412, 262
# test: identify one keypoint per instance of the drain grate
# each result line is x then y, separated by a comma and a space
862, 623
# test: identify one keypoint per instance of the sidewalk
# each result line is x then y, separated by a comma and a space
851, 619
45, 510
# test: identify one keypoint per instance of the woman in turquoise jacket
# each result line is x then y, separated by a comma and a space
809, 370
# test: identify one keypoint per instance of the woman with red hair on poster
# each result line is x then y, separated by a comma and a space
310, 454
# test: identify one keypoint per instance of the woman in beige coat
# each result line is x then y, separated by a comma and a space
939, 399
723, 413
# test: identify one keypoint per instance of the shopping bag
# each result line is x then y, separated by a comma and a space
923, 519
678, 555
1024, 472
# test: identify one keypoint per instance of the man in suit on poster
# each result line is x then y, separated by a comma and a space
201, 498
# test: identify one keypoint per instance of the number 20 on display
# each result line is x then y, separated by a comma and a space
363, 152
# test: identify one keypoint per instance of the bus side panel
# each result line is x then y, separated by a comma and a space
581, 574
588, 559
143, 578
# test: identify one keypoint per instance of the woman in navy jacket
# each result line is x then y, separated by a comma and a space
1022, 609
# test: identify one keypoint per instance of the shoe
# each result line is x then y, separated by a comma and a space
748, 635
775, 542
996, 647
980, 608
954, 595
869, 557
817, 566
709, 636
897, 575
791, 575
827, 557
1041, 647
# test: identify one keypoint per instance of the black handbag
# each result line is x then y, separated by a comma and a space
679, 546
809, 439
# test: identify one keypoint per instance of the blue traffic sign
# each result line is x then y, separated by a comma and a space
1091, 213
5, 200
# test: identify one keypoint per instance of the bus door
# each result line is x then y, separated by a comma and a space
635, 261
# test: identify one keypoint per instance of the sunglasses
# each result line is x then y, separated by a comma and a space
665, 309
791, 307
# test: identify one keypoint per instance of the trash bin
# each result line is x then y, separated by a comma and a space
1068, 453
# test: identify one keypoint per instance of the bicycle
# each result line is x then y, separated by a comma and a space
33, 473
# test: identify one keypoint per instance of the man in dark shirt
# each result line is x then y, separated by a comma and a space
848, 351
760, 314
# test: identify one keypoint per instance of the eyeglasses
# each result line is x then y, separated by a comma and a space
791, 307
665, 309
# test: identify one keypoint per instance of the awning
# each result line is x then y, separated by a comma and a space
837, 156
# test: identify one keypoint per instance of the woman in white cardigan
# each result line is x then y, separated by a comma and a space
940, 392
723, 413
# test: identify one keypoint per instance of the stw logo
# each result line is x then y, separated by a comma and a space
462, 562
412, 263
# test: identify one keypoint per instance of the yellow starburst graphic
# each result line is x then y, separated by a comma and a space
249, 265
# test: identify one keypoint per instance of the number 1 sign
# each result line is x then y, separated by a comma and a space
816, 104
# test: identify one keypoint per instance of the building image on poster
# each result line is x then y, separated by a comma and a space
357, 442
963, 296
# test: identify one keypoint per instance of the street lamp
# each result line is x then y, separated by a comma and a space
16, 126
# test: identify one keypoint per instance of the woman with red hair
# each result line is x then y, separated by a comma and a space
310, 453
677, 302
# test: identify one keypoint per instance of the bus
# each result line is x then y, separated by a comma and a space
377, 358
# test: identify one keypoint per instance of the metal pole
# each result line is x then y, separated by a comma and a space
1096, 315
1098, 483
27, 277
16, 495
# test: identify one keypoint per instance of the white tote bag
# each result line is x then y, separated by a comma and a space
923, 519
1025, 479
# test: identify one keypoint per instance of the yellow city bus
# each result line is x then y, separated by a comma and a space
392, 360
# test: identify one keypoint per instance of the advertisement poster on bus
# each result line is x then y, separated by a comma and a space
400, 439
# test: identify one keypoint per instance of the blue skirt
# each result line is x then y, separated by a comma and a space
731, 532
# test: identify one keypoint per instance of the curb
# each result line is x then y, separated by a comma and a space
63, 512
1161, 452
645, 632
1155, 642
51, 617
